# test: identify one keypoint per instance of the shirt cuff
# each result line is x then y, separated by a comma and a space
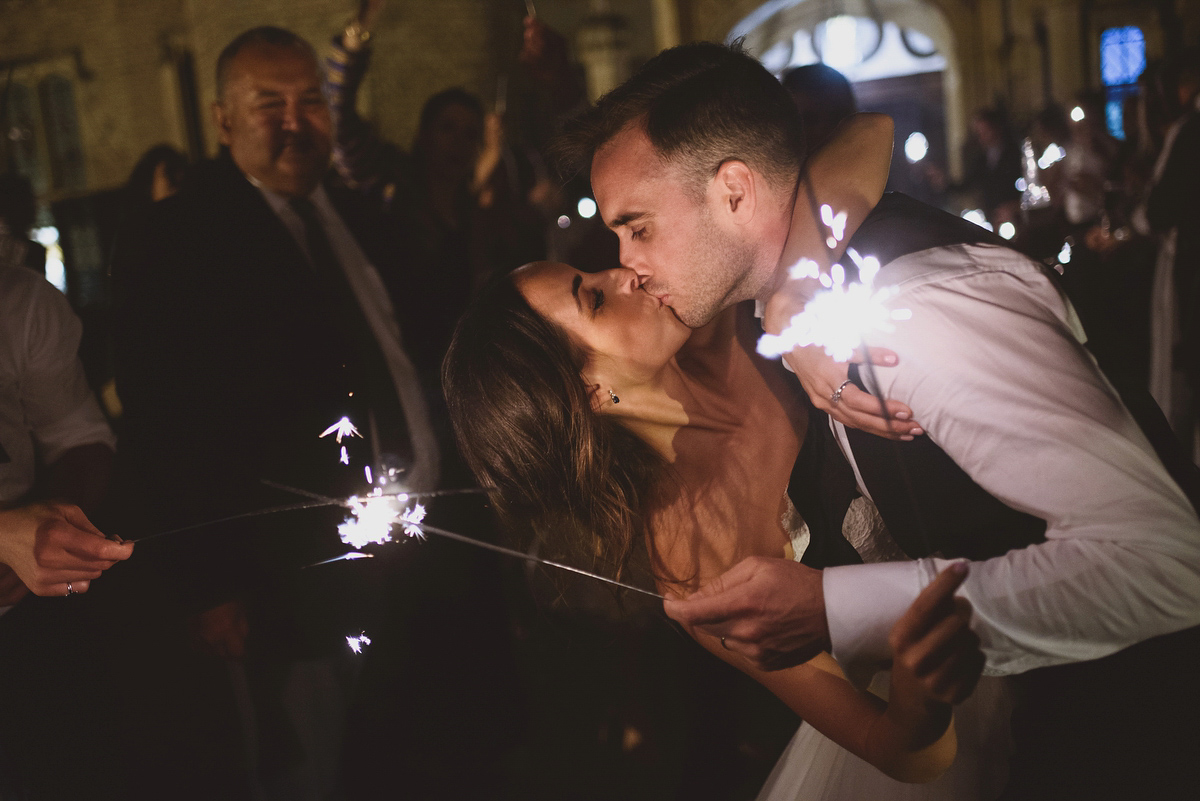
862, 603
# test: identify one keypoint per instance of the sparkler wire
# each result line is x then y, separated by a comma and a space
318, 502
441, 532
922, 530
322, 501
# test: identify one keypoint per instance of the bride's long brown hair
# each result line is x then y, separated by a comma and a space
524, 421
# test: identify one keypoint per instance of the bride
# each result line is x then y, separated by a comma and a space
584, 405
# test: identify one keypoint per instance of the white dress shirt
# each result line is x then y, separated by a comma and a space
46, 406
373, 298
993, 365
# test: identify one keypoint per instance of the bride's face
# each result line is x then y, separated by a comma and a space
624, 329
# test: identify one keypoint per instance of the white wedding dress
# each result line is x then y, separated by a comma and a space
814, 768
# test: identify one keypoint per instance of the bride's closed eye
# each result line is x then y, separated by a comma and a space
597, 300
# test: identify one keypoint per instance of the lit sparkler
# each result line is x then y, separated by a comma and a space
342, 428
345, 457
316, 502
416, 517
372, 518
836, 224
357, 643
839, 317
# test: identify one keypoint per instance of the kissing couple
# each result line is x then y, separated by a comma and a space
1012, 514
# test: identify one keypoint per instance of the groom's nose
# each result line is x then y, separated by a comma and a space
631, 259
624, 279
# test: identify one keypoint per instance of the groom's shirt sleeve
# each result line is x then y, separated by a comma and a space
992, 364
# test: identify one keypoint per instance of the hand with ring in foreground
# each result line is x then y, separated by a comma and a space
771, 611
54, 549
826, 382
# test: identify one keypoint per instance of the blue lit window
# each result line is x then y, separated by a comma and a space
1122, 61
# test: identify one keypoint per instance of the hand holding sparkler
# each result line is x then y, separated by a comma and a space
771, 611
544, 51
850, 172
816, 321
55, 550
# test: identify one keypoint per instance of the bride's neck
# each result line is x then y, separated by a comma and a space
695, 393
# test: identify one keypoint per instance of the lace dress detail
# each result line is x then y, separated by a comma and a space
862, 527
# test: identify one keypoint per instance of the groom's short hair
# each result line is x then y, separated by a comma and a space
701, 105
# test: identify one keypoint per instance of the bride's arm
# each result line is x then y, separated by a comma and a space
848, 174
911, 737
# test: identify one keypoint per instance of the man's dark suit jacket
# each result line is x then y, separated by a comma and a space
231, 360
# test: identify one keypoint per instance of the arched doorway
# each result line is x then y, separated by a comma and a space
900, 55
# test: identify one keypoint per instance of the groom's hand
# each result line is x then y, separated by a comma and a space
771, 611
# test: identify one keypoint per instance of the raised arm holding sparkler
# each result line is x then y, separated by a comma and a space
798, 281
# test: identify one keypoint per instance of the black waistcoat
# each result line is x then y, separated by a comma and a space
1116, 727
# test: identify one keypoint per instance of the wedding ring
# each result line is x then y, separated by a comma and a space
723, 645
70, 589
837, 393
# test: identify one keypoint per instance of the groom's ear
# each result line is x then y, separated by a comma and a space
736, 190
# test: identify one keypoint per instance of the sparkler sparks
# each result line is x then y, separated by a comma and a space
836, 224
357, 643
372, 518
342, 428
839, 317
346, 557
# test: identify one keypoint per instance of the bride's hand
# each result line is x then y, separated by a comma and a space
936, 657
821, 377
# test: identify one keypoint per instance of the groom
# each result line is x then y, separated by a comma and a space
1087, 574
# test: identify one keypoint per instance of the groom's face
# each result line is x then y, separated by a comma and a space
672, 233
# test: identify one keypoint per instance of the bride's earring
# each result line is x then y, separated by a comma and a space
614, 397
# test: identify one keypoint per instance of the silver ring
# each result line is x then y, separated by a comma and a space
70, 589
837, 393
723, 645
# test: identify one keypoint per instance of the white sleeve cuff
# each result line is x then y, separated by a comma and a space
862, 603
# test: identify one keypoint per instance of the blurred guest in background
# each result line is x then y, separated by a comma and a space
1087, 166
450, 205
54, 441
157, 175
824, 98
18, 210
56, 454
1173, 211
